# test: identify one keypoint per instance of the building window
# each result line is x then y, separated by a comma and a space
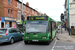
11, 13
8, 1
25, 15
35, 13
25, 8
18, 15
11, 2
18, 5
29, 15
32, 12
8, 12
29, 9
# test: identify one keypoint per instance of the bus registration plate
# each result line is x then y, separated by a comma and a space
35, 40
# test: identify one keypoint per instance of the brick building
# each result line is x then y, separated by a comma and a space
11, 11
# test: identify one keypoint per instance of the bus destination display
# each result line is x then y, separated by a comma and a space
37, 18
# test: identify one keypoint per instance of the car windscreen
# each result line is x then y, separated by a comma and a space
36, 26
2, 31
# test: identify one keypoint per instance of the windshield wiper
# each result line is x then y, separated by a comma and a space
38, 32
34, 32
31, 32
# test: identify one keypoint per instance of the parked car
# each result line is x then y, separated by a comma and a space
10, 35
59, 27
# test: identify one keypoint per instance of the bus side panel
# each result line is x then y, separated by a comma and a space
53, 34
49, 35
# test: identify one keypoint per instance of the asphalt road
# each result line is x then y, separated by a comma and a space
54, 45
21, 46
60, 45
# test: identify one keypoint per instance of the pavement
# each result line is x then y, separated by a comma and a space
64, 36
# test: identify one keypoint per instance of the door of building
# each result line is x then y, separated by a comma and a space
2, 25
10, 24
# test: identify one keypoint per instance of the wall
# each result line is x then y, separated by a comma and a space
1, 8
13, 7
72, 12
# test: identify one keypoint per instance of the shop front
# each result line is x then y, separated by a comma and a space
11, 22
2, 22
8, 22
19, 24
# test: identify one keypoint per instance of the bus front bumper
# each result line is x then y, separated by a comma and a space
37, 40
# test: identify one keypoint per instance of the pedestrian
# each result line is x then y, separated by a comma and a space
65, 26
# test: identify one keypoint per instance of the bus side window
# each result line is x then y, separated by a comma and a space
49, 27
53, 26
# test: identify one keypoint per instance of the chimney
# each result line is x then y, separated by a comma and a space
45, 14
27, 4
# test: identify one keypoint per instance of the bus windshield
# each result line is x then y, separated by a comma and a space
36, 26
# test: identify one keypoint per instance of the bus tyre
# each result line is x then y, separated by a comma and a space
48, 42
26, 42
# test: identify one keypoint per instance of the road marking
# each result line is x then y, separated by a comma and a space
54, 45
18, 45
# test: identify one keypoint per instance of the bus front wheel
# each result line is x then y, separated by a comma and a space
26, 42
48, 42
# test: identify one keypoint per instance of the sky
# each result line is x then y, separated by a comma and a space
53, 8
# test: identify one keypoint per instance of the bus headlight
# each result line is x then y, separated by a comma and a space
44, 37
26, 37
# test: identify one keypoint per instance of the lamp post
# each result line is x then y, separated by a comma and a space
68, 18
22, 15
22, 7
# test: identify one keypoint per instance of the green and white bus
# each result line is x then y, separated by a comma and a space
39, 29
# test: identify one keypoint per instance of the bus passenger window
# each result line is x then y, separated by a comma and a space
49, 27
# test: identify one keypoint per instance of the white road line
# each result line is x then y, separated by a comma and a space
18, 45
54, 45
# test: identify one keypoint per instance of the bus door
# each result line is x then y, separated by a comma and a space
51, 28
